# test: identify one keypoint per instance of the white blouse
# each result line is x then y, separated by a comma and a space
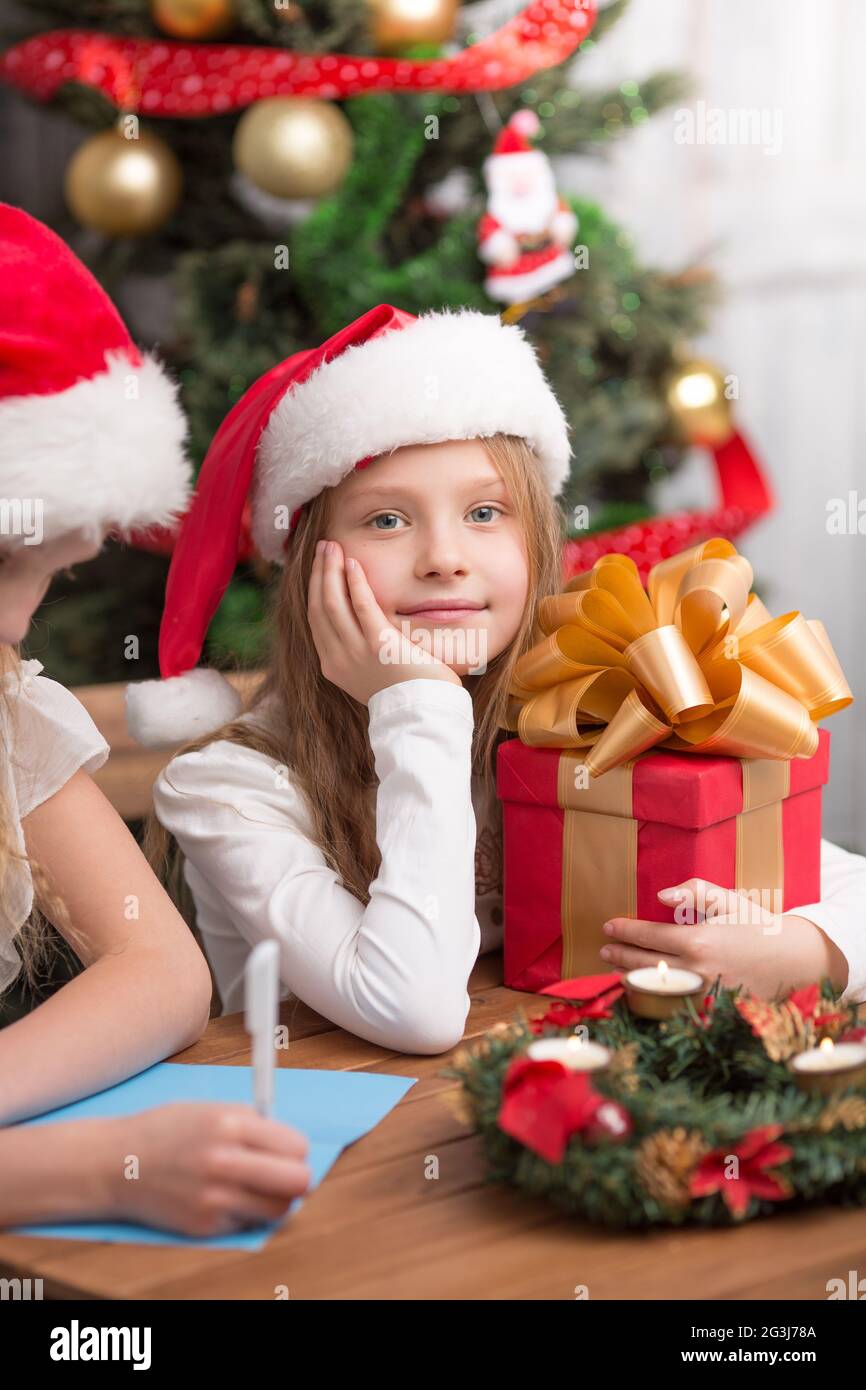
46, 736
396, 970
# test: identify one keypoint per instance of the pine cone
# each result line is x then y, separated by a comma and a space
781, 1027
460, 1105
665, 1162
622, 1068
847, 1111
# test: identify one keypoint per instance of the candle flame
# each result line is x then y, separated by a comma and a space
663, 969
826, 1045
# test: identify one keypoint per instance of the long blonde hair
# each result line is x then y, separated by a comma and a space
335, 776
36, 943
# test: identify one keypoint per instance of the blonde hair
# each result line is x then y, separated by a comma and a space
335, 776
36, 943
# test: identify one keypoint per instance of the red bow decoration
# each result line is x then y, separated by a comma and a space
544, 1104
756, 1152
808, 1001
562, 1015
158, 77
596, 995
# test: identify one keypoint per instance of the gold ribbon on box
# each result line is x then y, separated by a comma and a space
695, 663
600, 849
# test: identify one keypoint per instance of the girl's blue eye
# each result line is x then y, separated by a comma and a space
485, 507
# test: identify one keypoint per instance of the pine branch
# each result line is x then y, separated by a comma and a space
606, 17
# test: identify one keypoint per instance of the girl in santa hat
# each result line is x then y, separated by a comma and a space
91, 439
404, 476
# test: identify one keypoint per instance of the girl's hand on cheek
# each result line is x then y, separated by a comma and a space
736, 938
359, 649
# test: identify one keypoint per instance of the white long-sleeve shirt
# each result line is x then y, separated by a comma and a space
45, 737
396, 970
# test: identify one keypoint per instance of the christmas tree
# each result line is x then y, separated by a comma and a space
275, 221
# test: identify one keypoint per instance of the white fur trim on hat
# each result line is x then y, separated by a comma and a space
527, 161
162, 714
454, 374
107, 451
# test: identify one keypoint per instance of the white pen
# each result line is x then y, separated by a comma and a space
262, 988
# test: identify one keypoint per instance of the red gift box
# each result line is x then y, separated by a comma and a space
580, 850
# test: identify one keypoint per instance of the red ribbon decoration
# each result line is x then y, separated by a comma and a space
595, 995
158, 77
544, 1105
745, 496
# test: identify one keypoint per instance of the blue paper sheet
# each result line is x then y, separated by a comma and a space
332, 1108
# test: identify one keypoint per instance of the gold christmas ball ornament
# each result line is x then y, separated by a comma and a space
124, 187
293, 147
696, 399
193, 19
399, 23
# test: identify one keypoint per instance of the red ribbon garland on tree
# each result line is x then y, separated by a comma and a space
745, 496
158, 77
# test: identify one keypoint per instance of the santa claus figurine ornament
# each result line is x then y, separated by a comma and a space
526, 236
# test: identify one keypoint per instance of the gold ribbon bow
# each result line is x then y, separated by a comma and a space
694, 662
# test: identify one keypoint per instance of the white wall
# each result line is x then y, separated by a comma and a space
786, 233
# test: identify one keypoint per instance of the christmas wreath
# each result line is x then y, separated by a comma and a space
696, 1120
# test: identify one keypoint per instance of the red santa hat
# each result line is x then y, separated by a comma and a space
386, 380
514, 137
513, 143
89, 427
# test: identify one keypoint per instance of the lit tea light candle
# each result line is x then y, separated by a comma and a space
830, 1066
658, 991
572, 1052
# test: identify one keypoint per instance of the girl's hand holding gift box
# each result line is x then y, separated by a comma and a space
721, 933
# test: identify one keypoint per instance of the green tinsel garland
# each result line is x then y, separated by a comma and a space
690, 1085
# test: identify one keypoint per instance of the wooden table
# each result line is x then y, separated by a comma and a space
378, 1228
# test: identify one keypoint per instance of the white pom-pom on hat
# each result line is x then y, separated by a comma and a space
162, 713
525, 123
